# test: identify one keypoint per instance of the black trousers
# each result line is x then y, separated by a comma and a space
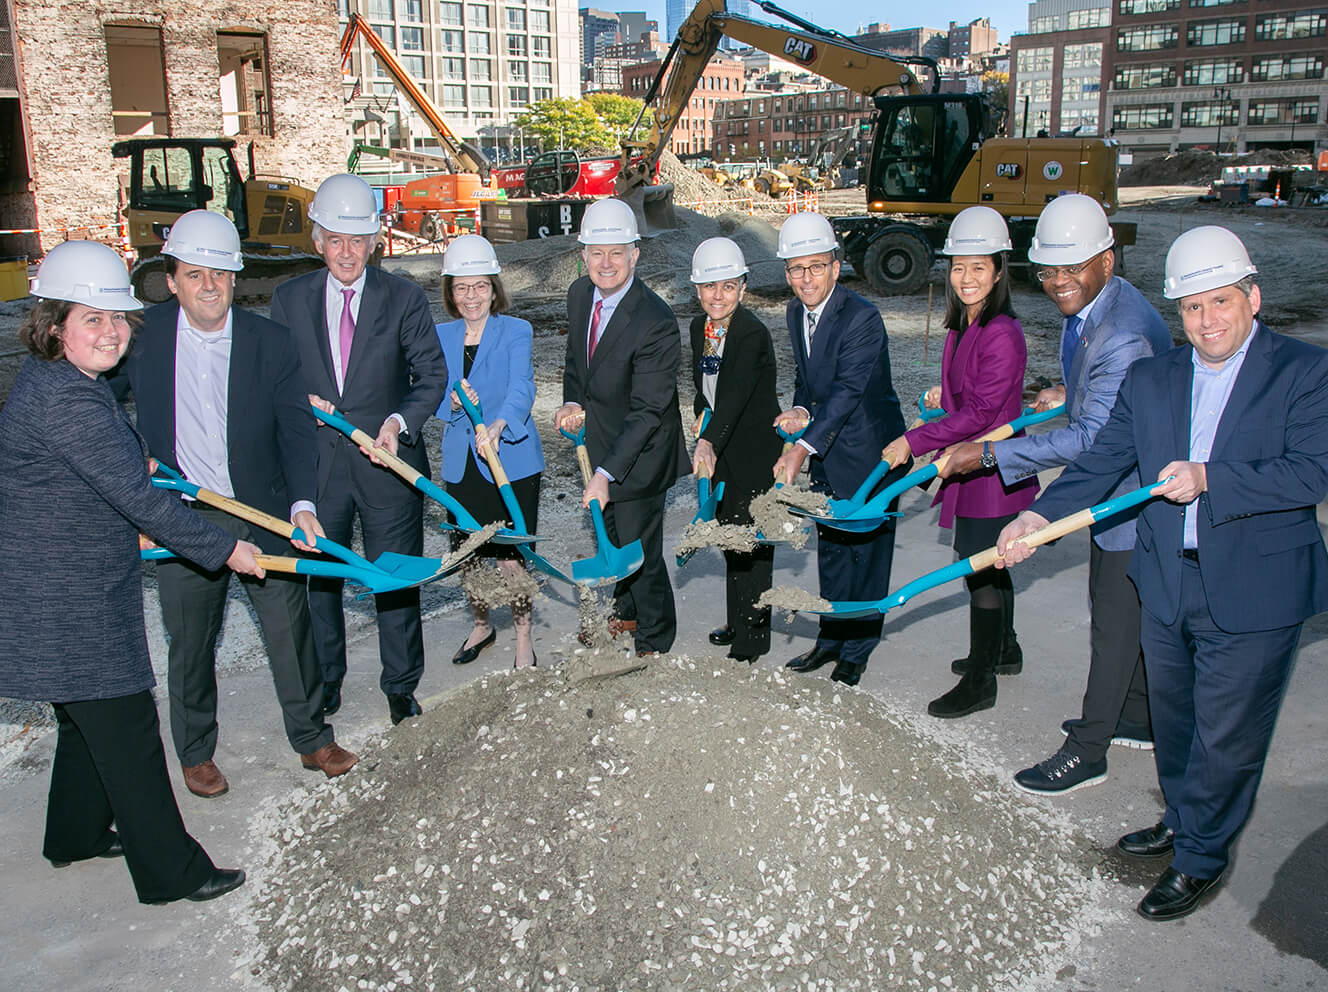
193, 603
1116, 692
854, 567
109, 768
747, 574
645, 596
400, 528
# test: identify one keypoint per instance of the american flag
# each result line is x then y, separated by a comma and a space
356, 89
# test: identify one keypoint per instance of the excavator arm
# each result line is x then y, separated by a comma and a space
824, 52
465, 157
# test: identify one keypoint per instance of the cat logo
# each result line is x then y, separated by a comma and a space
803, 51
1009, 170
1052, 171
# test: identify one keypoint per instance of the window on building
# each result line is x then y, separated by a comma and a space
343, 9
413, 64
1035, 60
539, 20
1284, 27
245, 83
516, 19
382, 10
454, 69
481, 96
479, 42
138, 80
516, 44
387, 32
1214, 72
1147, 38
541, 72
1127, 7
1268, 68
1294, 110
411, 40
454, 96
412, 11
1094, 17
542, 93
1209, 113
518, 96
1143, 76
1142, 117
480, 69
478, 14
1203, 33
1215, 3
1080, 56
518, 72
1043, 25
540, 47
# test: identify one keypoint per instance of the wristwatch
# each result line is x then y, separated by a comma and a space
988, 456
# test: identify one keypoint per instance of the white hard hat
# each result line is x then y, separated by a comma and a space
977, 231
344, 204
470, 255
608, 222
86, 272
716, 259
1071, 229
806, 234
1205, 258
202, 237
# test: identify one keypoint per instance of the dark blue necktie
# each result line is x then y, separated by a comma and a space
1069, 345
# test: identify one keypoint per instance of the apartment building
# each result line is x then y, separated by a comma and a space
783, 125
723, 77
1057, 68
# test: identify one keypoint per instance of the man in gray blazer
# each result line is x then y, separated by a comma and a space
1108, 326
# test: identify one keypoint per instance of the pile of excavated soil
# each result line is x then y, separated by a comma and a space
692, 826
1194, 167
689, 186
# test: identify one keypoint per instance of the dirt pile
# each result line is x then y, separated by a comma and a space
1194, 167
692, 826
689, 186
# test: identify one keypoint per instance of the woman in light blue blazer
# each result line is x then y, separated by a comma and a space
489, 353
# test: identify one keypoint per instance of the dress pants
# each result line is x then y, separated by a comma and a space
1116, 691
747, 574
398, 527
1214, 698
854, 567
109, 768
193, 603
645, 596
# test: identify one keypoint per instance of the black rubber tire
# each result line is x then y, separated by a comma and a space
762, 187
897, 263
149, 282
429, 227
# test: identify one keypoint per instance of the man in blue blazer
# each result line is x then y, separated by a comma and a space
844, 396
1229, 563
1108, 325
220, 398
367, 348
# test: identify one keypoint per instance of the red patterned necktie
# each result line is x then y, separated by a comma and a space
347, 331
594, 330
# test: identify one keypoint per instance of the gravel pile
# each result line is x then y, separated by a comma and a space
689, 186
691, 826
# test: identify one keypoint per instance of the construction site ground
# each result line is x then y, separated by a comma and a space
726, 827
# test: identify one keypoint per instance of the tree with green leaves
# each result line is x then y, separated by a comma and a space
591, 126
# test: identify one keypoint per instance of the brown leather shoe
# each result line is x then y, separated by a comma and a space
205, 780
331, 759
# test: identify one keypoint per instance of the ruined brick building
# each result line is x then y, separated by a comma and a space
77, 75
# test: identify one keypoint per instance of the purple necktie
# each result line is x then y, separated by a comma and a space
347, 332
594, 331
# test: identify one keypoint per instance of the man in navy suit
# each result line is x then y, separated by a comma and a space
367, 348
1229, 563
844, 397
220, 398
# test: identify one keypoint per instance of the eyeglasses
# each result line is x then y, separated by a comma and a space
471, 289
816, 269
1056, 271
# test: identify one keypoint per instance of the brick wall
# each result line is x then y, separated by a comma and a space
66, 90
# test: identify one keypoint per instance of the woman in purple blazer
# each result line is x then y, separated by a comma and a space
982, 380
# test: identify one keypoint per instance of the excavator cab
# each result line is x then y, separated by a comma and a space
922, 145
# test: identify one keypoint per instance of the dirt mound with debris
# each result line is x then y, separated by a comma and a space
693, 826
1194, 167
689, 186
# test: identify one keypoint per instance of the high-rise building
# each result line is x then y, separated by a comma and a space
599, 29
1056, 69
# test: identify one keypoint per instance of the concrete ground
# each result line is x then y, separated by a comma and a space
1267, 927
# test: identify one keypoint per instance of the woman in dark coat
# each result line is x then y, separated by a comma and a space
74, 496
734, 375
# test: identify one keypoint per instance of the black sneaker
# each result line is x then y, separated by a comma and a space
1061, 773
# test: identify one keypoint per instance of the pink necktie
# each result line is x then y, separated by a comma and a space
594, 330
346, 334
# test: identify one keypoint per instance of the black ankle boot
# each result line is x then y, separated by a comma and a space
1011, 660
977, 689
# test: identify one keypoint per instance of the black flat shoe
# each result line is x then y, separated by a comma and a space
115, 850
1175, 895
402, 706
812, 660
847, 672
1152, 842
722, 637
223, 880
468, 654
331, 697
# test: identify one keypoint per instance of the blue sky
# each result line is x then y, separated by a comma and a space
1007, 16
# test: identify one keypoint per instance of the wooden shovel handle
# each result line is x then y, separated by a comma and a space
393, 462
491, 457
1054, 531
249, 513
583, 461
278, 563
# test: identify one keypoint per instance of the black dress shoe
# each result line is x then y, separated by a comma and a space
847, 672
223, 880
748, 658
402, 706
1175, 895
115, 850
722, 637
331, 697
468, 654
1153, 842
812, 660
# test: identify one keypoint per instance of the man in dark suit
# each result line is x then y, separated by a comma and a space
844, 396
621, 380
220, 399
1229, 563
367, 348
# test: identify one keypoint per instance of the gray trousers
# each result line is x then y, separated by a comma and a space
193, 602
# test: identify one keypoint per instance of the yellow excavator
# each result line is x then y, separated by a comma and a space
932, 153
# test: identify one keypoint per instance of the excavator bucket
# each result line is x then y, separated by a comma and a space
653, 207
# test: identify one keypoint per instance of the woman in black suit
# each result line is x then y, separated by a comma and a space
75, 495
734, 375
